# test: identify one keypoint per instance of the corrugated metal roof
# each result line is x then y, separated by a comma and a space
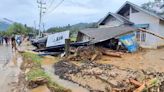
102, 34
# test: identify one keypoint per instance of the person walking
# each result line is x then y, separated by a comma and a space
19, 40
6, 40
13, 43
1, 40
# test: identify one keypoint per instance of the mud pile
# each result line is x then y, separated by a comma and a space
92, 53
108, 78
85, 53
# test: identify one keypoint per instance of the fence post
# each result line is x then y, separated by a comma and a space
67, 47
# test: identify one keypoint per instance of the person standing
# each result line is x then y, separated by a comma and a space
13, 43
6, 40
1, 40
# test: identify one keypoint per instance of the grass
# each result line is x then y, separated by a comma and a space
154, 82
32, 57
37, 72
73, 39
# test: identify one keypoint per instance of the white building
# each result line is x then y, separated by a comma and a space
133, 15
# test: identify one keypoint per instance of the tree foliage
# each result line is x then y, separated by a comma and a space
72, 28
156, 6
17, 29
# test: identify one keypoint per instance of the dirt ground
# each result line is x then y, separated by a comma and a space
113, 72
148, 59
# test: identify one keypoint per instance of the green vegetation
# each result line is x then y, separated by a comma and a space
154, 6
38, 72
17, 29
73, 28
35, 73
154, 82
73, 39
32, 57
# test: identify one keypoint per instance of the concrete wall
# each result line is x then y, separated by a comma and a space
144, 18
161, 33
85, 38
82, 37
111, 23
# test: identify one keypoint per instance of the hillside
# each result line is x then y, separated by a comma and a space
4, 25
73, 28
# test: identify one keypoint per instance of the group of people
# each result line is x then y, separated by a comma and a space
14, 40
4, 39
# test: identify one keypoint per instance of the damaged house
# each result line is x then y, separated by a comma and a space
109, 37
128, 16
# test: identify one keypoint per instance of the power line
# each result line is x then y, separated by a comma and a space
51, 3
41, 12
55, 7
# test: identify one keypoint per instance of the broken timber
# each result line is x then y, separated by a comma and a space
67, 47
143, 30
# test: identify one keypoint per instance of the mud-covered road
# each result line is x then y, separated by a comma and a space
8, 68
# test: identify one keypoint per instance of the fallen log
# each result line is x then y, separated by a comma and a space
94, 57
134, 82
146, 85
113, 54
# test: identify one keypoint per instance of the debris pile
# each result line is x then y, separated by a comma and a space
109, 78
85, 53
63, 67
92, 53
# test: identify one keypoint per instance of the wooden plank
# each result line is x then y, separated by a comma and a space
67, 47
145, 85
143, 30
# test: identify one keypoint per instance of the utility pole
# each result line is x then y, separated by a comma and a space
42, 11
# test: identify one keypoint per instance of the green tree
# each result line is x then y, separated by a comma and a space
155, 6
17, 28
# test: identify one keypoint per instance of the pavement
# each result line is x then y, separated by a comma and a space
9, 70
5, 54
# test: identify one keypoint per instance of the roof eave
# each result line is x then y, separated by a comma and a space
140, 9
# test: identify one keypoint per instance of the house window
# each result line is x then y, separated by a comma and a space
138, 35
141, 36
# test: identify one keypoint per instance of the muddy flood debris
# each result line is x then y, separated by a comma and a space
92, 53
108, 78
33, 76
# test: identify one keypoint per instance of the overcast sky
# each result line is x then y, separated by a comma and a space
69, 12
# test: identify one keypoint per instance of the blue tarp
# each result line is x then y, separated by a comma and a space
129, 42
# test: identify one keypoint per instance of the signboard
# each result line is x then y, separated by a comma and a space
129, 42
57, 39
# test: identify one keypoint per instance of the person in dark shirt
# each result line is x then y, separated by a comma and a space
1, 40
6, 40
13, 43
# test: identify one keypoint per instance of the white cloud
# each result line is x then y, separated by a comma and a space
70, 12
